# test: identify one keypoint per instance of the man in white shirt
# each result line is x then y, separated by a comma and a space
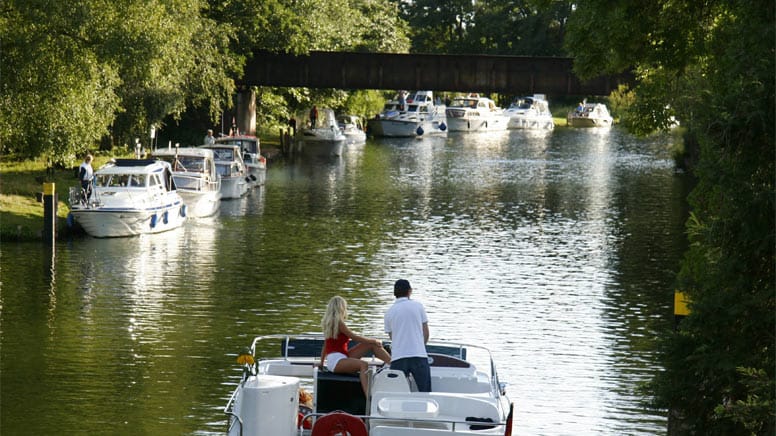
407, 325
209, 138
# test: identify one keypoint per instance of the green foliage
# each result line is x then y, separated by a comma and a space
711, 65
508, 27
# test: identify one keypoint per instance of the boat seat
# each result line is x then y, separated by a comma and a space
390, 380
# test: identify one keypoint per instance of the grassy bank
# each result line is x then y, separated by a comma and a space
21, 182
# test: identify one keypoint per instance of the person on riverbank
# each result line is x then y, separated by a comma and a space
336, 355
85, 176
406, 323
209, 138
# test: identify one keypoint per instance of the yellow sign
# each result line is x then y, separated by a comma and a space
680, 304
48, 188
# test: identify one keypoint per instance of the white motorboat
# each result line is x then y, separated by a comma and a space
419, 116
391, 109
319, 137
195, 175
590, 115
129, 197
530, 113
466, 395
255, 163
474, 113
231, 168
352, 128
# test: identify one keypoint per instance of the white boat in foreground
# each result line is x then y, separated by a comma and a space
530, 113
352, 128
195, 175
231, 168
590, 115
129, 197
419, 116
255, 163
321, 138
466, 395
474, 113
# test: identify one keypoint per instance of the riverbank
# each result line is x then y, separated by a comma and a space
21, 211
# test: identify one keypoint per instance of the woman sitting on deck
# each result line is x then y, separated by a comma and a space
336, 355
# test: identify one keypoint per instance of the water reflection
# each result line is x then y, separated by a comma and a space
555, 250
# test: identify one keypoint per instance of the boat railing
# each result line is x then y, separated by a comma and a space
480, 356
195, 183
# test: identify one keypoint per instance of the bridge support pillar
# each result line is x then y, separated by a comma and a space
245, 109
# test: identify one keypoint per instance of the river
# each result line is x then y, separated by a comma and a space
557, 251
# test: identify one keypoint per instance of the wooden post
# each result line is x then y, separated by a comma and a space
49, 213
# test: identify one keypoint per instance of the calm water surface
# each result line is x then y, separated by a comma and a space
557, 251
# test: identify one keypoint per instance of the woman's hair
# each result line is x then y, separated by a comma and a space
336, 312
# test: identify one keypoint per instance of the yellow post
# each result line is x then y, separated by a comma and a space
680, 307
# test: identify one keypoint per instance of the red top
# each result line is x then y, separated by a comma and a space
337, 345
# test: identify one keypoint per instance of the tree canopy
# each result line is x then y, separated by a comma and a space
712, 64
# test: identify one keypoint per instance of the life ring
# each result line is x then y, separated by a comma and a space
339, 423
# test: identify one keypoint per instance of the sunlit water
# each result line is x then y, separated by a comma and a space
556, 250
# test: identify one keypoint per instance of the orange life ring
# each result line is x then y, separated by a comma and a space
339, 423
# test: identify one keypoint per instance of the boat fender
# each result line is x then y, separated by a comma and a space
339, 423
183, 210
70, 220
164, 217
247, 179
253, 178
153, 221
442, 127
419, 131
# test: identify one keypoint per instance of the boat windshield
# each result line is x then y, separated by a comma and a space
120, 180
190, 164
224, 153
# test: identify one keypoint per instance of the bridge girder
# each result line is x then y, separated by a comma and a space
455, 73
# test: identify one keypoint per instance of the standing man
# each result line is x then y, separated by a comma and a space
407, 325
209, 138
85, 176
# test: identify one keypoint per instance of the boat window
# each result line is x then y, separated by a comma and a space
224, 154
412, 108
137, 181
223, 169
118, 180
423, 109
153, 180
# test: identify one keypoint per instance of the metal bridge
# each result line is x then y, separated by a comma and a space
455, 73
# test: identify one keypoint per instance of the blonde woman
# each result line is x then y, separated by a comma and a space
335, 355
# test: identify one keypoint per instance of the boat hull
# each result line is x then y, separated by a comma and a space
477, 124
257, 173
114, 223
589, 122
200, 204
233, 187
408, 129
321, 147
527, 122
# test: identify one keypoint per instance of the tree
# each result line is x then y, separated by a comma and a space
712, 63
78, 70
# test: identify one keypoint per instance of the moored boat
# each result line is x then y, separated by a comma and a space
255, 163
231, 169
352, 128
418, 116
466, 395
129, 197
530, 113
475, 113
195, 175
590, 115
320, 136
